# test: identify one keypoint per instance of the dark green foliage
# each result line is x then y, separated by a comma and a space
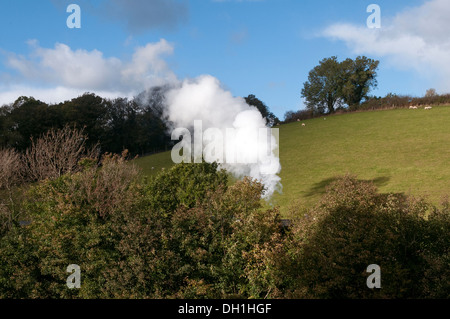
332, 83
392, 100
291, 116
87, 111
323, 90
24, 119
137, 125
330, 247
186, 233
72, 220
182, 235
359, 76
185, 185
271, 119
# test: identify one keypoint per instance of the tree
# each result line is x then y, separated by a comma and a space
332, 83
139, 125
121, 128
322, 91
11, 175
359, 76
88, 112
431, 93
26, 118
153, 122
57, 152
271, 119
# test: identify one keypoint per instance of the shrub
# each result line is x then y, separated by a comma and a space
182, 235
56, 153
435, 249
195, 252
291, 116
71, 223
11, 175
185, 185
331, 246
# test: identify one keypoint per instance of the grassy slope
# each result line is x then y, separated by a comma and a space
153, 164
400, 150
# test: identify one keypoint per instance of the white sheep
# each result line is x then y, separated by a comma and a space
303, 124
428, 108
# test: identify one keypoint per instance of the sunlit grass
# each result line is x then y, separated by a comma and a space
402, 151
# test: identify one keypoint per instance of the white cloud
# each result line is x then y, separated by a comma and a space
147, 68
416, 39
62, 70
239, 37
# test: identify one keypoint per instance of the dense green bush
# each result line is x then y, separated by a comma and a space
330, 247
71, 223
182, 234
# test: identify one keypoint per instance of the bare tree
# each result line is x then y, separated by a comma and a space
11, 174
431, 93
57, 152
107, 189
11, 168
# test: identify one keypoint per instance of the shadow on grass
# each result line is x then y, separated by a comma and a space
320, 187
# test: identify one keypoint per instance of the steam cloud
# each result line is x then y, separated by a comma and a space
204, 99
200, 99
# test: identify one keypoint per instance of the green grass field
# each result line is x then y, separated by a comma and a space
402, 151
153, 164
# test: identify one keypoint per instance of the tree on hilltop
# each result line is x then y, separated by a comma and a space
331, 84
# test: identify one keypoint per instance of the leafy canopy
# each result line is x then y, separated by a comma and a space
331, 84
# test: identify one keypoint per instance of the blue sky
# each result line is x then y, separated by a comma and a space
264, 47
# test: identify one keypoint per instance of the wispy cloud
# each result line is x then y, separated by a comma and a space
239, 36
416, 38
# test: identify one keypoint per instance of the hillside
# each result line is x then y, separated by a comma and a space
402, 151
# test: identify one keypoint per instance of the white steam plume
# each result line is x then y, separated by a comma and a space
203, 99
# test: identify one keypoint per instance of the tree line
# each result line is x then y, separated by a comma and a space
138, 125
134, 124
